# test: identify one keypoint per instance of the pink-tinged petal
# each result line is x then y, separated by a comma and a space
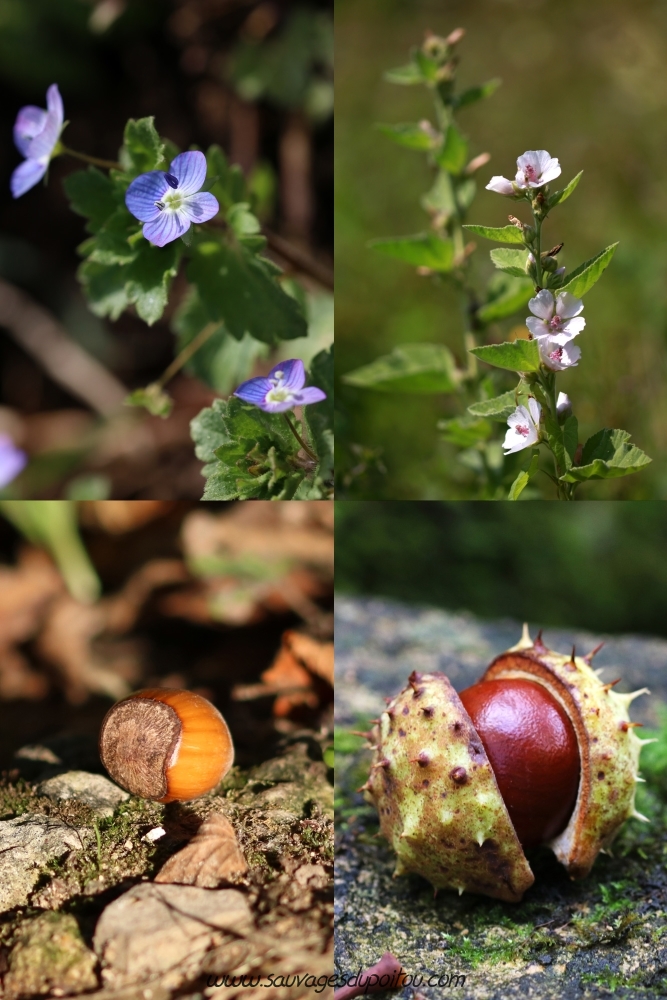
12, 460
567, 305
573, 327
535, 410
557, 357
522, 432
537, 327
29, 122
200, 207
551, 171
291, 374
500, 185
54, 103
167, 228
311, 394
254, 391
542, 304
144, 192
190, 168
29, 173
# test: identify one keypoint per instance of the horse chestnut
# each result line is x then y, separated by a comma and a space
540, 751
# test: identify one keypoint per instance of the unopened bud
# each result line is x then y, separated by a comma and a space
478, 162
455, 36
563, 405
434, 47
549, 264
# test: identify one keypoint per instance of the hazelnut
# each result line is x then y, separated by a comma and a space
165, 744
540, 751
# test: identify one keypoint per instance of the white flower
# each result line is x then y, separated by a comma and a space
523, 427
557, 318
536, 168
533, 170
563, 404
557, 356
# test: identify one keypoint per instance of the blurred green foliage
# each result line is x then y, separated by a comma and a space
584, 81
600, 566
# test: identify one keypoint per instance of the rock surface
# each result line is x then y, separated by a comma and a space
93, 790
49, 956
27, 843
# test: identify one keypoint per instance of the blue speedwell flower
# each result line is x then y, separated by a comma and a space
12, 460
281, 389
169, 202
36, 133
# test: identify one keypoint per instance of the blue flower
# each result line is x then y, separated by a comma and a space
12, 460
36, 133
169, 202
281, 389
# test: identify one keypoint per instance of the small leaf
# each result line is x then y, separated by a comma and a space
242, 220
514, 295
563, 438
413, 368
142, 149
607, 455
498, 408
441, 196
522, 480
510, 261
581, 280
502, 234
465, 193
558, 197
422, 250
476, 93
319, 418
153, 398
454, 153
518, 356
149, 277
93, 195
411, 135
465, 431
406, 76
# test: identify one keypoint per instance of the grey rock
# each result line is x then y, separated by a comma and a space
27, 843
94, 790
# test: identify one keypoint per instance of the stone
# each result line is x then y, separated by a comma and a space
27, 843
93, 790
49, 956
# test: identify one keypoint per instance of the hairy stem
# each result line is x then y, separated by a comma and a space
187, 353
309, 452
108, 164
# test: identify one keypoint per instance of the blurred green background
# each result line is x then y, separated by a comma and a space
585, 81
600, 566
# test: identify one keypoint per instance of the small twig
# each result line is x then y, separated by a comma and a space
187, 353
108, 164
300, 258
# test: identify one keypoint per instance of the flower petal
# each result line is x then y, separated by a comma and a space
291, 374
500, 185
311, 394
573, 327
567, 305
563, 404
54, 103
167, 228
29, 173
190, 168
557, 356
200, 207
551, 171
543, 304
254, 391
12, 460
29, 122
142, 194
537, 327
279, 406
43, 143
535, 410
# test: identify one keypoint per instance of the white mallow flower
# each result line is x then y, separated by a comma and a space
557, 317
557, 356
534, 169
523, 427
563, 404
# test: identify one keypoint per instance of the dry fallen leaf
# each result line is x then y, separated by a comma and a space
301, 675
213, 856
119, 516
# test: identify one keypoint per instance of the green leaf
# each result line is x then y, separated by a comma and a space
579, 281
144, 283
476, 93
518, 356
465, 193
413, 368
422, 250
510, 261
319, 417
93, 195
512, 294
454, 153
498, 408
406, 76
560, 196
522, 480
239, 288
441, 196
413, 135
607, 455
242, 220
226, 182
563, 438
465, 431
105, 288
502, 234
153, 398
142, 149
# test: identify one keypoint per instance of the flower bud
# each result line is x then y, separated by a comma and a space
549, 264
563, 407
435, 47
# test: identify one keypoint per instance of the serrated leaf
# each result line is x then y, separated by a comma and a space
142, 149
454, 153
514, 296
105, 288
510, 261
498, 408
477, 93
524, 477
501, 234
93, 195
240, 289
558, 197
149, 279
465, 431
607, 455
406, 76
152, 398
421, 250
412, 135
412, 368
582, 279
518, 356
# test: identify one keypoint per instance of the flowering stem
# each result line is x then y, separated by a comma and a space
109, 164
186, 354
309, 452
537, 218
